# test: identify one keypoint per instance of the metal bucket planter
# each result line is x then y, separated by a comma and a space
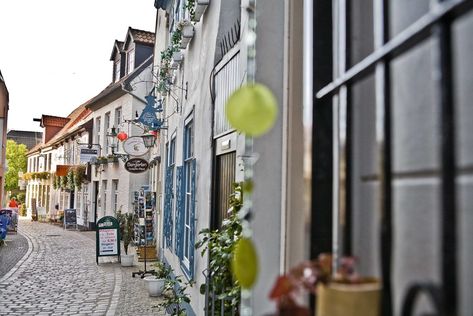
155, 286
200, 7
349, 299
187, 34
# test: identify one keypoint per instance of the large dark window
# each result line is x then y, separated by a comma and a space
392, 139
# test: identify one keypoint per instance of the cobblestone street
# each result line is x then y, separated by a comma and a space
57, 275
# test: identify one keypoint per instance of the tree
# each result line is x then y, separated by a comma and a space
16, 157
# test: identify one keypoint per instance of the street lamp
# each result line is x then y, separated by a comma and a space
112, 135
148, 140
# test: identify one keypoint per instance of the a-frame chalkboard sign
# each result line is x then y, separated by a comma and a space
107, 238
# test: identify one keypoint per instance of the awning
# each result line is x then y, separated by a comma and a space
62, 170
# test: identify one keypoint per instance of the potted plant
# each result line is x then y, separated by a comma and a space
196, 8
175, 296
112, 158
156, 282
101, 160
341, 293
186, 29
127, 226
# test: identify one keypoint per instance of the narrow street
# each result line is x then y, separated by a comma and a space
58, 275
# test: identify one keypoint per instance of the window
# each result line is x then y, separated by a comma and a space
131, 60
388, 103
106, 128
104, 196
188, 187
98, 129
169, 194
50, 156
115, 195
117, 71
118, 117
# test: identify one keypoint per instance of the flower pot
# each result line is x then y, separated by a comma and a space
187, 34
155, 286
349, 299
200, 7
177, 57
127, 260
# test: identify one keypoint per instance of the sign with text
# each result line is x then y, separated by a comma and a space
136, 165
108, 242
87, 154
134, 146
107, 238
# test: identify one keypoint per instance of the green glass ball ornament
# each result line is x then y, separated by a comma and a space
252, 109
245, 263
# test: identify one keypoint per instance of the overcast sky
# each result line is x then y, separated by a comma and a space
55, 54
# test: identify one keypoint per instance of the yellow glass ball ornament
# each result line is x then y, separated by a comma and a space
252, 109
245, 263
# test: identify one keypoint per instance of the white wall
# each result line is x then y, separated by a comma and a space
195, 70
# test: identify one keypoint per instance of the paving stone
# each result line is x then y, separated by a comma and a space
59, 276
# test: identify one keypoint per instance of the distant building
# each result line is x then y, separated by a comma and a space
28, 138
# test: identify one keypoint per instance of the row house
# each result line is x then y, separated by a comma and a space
105, 186
52, 159
4, 98
370, 155
115, 110
203, 156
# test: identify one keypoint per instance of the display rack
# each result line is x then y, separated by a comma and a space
143, 205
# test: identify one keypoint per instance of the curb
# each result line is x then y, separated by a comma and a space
22, 260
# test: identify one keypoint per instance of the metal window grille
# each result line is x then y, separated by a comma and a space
333, 100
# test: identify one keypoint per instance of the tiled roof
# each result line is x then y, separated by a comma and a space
35, 148
77, 116
141, 36
117, 47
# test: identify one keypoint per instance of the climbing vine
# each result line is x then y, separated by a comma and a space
219, 243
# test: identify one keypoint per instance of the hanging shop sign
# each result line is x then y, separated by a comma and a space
87, 154
136, 165
107, 238
148, 116
134, 146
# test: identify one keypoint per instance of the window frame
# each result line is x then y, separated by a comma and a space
332, 99
188, 157
130, 60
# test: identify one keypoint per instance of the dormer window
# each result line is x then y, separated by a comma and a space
116, 70
130, 60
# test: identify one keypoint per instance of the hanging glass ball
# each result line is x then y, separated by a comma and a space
252, 109
122, 136
245, 263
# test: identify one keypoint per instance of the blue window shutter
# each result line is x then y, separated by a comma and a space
179, 211
192, 218
167, 225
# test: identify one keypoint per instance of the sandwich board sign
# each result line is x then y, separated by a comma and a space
70, 217
107, 238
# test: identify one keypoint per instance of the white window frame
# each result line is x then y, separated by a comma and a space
188, 157
116, 72
130, 60
106, 127
115, 195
